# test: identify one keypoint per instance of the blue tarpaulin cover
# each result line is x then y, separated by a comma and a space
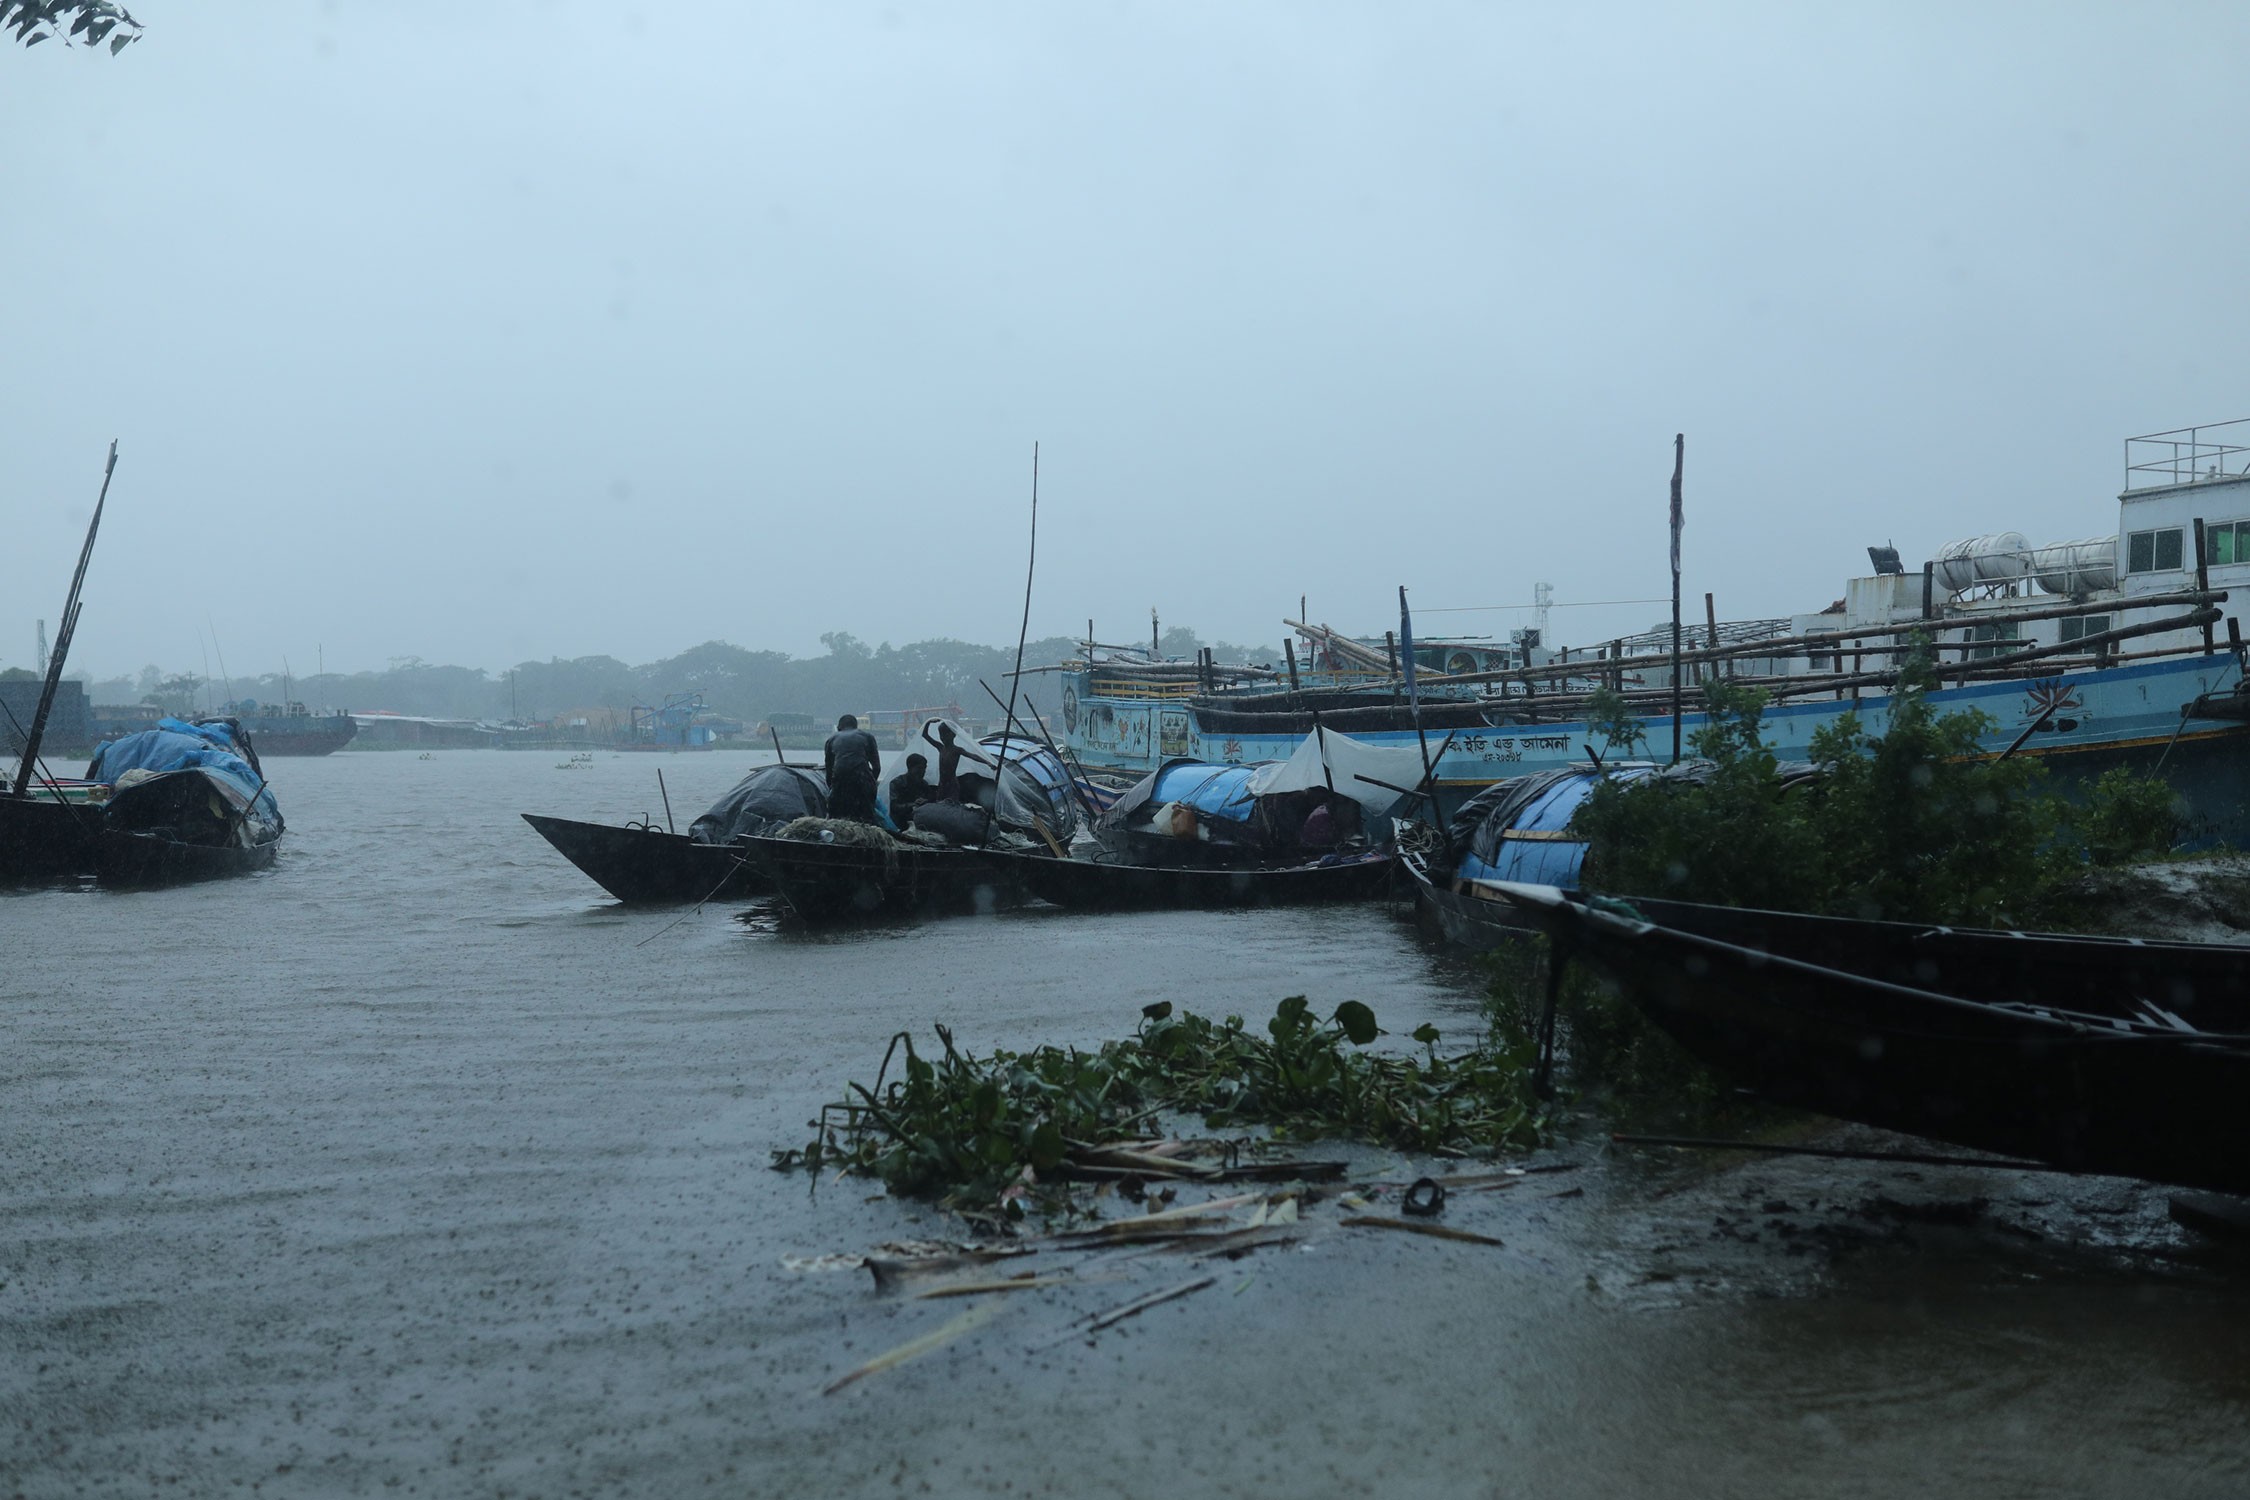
1544, 804
175, 745
1213, 791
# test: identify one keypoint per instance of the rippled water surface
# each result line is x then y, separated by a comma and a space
416, 1164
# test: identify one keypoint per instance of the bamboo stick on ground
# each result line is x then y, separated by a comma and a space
1434, 1231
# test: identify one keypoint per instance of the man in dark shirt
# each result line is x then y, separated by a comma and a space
851, 763
910, 789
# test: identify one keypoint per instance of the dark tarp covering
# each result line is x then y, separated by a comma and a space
1034, 785
762, 801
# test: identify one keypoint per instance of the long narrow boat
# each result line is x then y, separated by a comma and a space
838, 871
1103, 886
826, 884
2206, 985
2074, 1051
638, 863
649, 865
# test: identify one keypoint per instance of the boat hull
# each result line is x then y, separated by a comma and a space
1459, 917
650, 866
830, 884
43, 841
2085, 1092
294, 736
1089, 885
151, 859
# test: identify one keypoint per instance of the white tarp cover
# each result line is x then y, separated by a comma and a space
1347, 760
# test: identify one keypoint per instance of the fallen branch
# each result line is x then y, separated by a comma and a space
1434, 1231
1134, 1309
1023, 1283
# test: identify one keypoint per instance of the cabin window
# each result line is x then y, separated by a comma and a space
2010, 631
2227, 542
2081, 626
2152, 551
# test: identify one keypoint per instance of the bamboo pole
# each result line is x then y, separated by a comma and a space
1679, 461
68, 628
1023, 632
2203, 579
1814, 640
1995, 668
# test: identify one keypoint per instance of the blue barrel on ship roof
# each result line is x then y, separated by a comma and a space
1519, 829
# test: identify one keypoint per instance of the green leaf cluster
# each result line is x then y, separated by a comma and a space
90, 21
970, 1129
1732, 840
1917, 823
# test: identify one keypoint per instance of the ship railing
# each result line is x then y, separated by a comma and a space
1141, 688
2188, 455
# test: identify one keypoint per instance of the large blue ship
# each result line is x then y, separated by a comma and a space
2118, 649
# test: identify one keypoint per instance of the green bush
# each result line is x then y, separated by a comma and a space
2128, 816
1917, 823
1734, 840
1914, 824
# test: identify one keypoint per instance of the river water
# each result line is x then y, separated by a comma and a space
415, 1165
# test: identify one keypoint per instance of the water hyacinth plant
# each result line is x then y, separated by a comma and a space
973, 1131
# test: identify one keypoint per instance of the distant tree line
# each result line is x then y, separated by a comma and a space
851, 676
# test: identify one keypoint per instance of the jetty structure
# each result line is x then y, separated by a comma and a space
2117, 649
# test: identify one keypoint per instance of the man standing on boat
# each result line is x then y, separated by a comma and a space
852, 765
948, 765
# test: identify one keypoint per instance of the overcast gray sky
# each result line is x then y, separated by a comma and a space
484, 333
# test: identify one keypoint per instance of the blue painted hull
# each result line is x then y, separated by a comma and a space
2125, 715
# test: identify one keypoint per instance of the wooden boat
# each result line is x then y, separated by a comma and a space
1465, 913
2074, 1051
827, 884
636, 862
198, 822
2205, 984
840, 871
1104, 886
640, 864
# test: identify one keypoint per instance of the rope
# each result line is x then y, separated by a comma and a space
696, 909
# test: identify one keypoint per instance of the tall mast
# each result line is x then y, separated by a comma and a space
63, 633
